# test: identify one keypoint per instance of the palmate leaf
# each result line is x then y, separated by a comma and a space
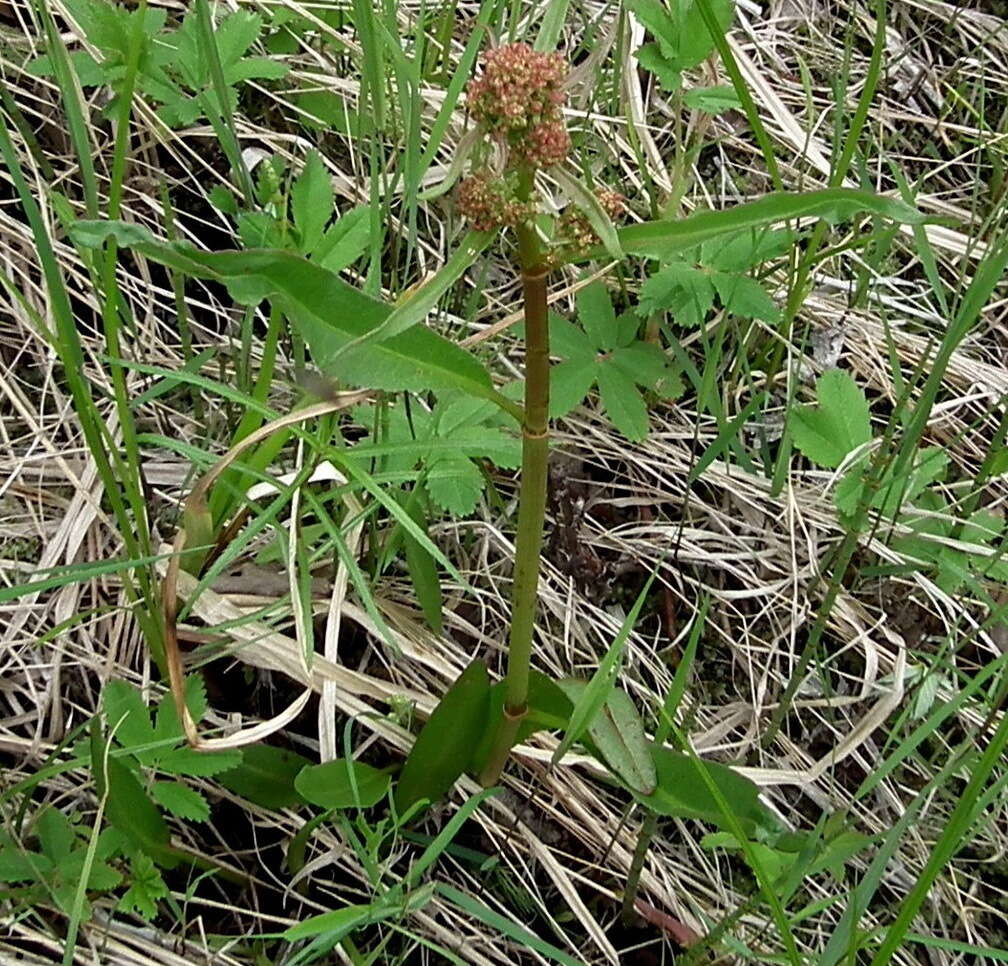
682, 38
606, 351
329, 313
147, 888
444, 442
837, 426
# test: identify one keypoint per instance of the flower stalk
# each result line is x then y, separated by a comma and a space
517, 102
531, 503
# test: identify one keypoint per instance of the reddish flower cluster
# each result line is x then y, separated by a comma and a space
486, 202
574, 232
612, 202
518, 97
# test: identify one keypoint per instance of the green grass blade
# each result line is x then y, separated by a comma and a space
504, 926
591, 700
551, 25
951, 840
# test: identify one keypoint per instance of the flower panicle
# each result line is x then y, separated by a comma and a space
518, 98
489, 205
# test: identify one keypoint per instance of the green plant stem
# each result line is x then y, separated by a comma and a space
531, 502
628, 910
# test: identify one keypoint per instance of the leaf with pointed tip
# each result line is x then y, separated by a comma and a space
570, 381
344, 242
594, 696
618, 733
713, 100
311, 202
744, 296
444, 748
664, 238
130, 811
681, 792
597, 216
597, 315
423, 570
623, 402
329, 313
127, 714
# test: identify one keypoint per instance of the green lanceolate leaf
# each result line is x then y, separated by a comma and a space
423, 570
329, 313
618, 733
129, 810
415, 307
444, 748
342, 783
597, 315
837, 426
266, 776
682, 793
337, 923
713, 100
664, 238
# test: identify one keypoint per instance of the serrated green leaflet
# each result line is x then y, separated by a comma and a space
837, 426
